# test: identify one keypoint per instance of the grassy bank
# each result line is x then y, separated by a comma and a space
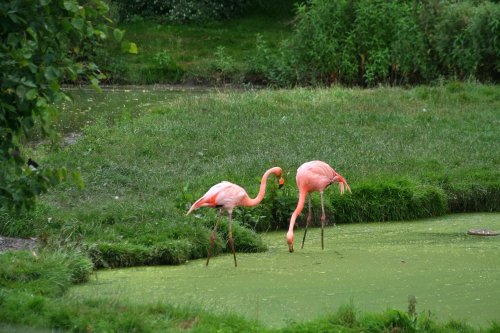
406, 154
360, 282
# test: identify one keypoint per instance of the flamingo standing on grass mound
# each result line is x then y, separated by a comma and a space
313, 176
226, 196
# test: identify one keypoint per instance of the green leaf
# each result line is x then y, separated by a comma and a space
77, 178
99, 33
71, 6
28, 83
118, 34
32, 67
51, 73
32, 33
94, 82
31, 94
61, 174
21, 91
77, 23
129, 47
103, 7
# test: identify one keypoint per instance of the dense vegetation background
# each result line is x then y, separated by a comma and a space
354, 42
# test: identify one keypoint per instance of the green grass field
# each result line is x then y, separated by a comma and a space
375, 266
145, 156
197, 53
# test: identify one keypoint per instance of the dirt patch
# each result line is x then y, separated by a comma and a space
11, 243
71, 138
482, 232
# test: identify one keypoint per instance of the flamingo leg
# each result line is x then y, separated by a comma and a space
323, 217
309, 218
230, 236
212, 236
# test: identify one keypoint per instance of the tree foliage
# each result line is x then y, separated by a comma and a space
43, 44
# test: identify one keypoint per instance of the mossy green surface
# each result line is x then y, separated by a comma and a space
376, 266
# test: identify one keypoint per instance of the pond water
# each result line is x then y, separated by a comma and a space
375, 266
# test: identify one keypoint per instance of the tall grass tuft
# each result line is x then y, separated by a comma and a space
45, 273
389, 201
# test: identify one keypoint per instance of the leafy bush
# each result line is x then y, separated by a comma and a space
265, 65
398, 42
126, 254
164, 69
224, 66
355, 42
465, 40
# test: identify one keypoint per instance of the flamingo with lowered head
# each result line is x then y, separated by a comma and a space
313, 176
227, 196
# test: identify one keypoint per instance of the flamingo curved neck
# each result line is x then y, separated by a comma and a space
262, 190
297, 211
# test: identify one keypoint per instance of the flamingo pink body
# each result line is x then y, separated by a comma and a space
313, 176
227, 196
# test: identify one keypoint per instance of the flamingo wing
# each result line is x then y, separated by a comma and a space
224, 194
315, 176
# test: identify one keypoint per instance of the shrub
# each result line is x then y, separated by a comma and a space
268, 66
465, 40
224, 66
164, 69
368, 42
361, 42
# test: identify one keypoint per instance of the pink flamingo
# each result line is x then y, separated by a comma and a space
226, 196
313, 176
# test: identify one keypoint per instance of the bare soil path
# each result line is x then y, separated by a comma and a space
11, 243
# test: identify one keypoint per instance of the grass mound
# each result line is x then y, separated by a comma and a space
46, 273
390, 201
